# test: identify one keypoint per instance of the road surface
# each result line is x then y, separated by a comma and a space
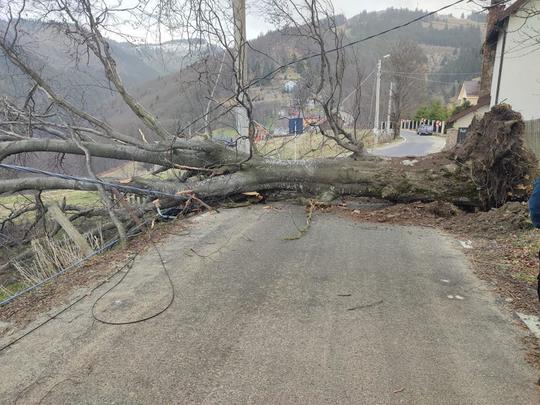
413, 145
352, 313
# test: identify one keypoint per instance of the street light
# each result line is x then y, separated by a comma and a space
378, 95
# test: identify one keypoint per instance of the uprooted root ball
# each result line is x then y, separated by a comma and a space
496, 157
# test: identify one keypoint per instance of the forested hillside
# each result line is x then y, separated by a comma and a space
180, 80
81, 78
77, 76
451, 45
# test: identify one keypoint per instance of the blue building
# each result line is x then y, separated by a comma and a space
296, 126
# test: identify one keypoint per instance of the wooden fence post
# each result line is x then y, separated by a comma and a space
69, 229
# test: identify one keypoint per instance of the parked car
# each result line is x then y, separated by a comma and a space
228, 142
425, 130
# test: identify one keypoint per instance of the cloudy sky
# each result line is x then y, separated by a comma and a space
257, 25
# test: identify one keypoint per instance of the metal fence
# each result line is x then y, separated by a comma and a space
438, 126
532, 136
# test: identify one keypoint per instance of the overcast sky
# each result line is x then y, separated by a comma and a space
257, 25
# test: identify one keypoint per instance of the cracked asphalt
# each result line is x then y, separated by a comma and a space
352, 313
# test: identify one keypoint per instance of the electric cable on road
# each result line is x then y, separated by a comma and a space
128, 264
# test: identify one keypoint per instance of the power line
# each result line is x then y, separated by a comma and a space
137, 190
424, 79
434, 73
108, 245
75, 264
79, 262
312, 56
144, 318
360, 85
349, 44
60, 272
128, 264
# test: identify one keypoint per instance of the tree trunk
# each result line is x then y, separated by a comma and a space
491, 167
399, 180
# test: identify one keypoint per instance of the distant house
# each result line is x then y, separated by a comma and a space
516, 67
289, 86
261, 133
469, 91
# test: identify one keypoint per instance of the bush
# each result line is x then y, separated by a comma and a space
434, 111
459, 108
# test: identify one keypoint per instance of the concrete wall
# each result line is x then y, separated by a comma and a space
451, 139
520, 70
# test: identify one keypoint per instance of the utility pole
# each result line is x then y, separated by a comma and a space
242, 121
389, 116
378, 95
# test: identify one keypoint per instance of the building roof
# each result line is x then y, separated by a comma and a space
482, 102
500, 15
472, 87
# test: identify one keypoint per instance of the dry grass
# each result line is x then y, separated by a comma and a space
50, 256
126, 170
310, 145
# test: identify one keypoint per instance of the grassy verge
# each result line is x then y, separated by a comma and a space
310, 145
73, 197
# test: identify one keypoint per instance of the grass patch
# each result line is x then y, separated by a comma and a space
11, 289
310, 145
529, 278
225, 132
49, 256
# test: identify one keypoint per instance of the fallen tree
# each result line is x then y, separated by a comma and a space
491, 167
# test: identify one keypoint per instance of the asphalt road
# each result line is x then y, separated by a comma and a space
414, 145
352, 313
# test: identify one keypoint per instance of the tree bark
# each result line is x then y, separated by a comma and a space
426, 180
192, 153
433, 178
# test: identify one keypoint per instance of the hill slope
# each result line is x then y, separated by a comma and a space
77, 75
452, 46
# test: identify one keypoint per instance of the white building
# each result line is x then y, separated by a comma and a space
464, 118
516, 68
511, 62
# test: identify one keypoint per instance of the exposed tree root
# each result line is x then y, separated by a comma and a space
495, 154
